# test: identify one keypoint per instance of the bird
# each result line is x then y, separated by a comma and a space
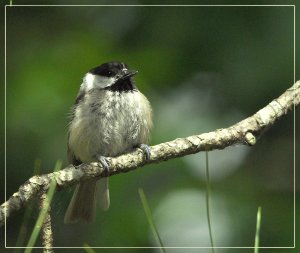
110, 117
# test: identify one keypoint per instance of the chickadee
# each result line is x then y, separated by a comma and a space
110, 117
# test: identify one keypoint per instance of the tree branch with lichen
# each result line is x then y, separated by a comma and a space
245, 132
47, 235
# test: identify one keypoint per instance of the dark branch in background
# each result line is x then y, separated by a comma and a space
245, 132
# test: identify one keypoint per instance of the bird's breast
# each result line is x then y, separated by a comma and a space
109, 123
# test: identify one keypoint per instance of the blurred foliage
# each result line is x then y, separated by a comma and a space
202, 68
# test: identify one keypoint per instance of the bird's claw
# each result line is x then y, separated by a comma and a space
146, 149
104, 162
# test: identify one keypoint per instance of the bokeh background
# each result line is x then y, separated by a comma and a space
202, 68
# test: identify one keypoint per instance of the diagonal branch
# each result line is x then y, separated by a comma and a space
245, 132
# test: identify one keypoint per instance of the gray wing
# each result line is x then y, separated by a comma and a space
71, 156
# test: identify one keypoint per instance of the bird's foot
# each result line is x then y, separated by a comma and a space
146, 149
104, 162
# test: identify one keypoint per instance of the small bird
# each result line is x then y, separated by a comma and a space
110, 117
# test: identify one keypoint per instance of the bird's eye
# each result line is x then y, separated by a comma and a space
107, 73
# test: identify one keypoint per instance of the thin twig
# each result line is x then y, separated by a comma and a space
208, 190
44, 219
47, 234
150, 220
258, 221
28, 212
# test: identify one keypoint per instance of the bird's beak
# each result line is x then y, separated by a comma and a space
126, 73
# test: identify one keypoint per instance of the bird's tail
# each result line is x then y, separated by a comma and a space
103, 192
83, 203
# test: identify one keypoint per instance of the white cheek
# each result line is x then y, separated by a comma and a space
91, 81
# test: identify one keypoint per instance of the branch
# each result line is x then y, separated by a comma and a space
46, 226
245, 132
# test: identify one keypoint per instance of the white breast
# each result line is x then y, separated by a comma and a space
109, 123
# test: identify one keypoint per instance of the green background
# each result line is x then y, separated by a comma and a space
202, 68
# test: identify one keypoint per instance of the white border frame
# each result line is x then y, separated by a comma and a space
139, 5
